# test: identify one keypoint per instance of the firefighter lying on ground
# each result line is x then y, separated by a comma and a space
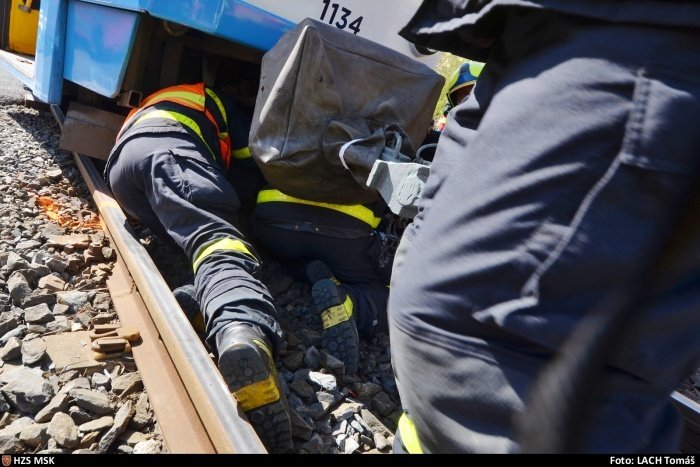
168, 170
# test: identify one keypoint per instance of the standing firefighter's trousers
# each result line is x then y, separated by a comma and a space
166, 183
549, 187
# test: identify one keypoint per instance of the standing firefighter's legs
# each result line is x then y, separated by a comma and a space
177, 191
533, 218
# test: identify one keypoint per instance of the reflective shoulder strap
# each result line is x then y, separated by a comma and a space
190, 95
242, 153
219, 104
180, 118
357, 211
409, 435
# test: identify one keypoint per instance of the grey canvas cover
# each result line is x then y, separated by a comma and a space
328, 103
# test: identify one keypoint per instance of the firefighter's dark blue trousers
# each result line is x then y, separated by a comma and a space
174, 189
298, 234
548, 188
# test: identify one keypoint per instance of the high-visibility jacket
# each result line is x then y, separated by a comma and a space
191, 108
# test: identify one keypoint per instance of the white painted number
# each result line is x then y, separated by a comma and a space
343, 19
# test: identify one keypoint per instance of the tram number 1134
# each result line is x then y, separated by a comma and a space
340, 17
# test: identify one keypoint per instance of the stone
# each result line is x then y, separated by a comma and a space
33, 351
125, 449
60, 309
300, 427
303, 389
63, 430
315, 411
314, 445
365, 391
121, 419
35, 435
57, 264
131, 437
294, 360
126, 384
356, 426
374, 424
327, 382
312, 358
79, 415
16, 262
7, 323
18, 287
58, 325
26, 388
345, 411
99, 380
88, 440
75, 299
53, 451
331, 363
17, 332
12, 350
383, 404
76, 383
4, 406
52, 283
102, 302
10, 445
28, 245
326, 399
149, 446
92, 400
38, 297
58, 403
16, 426
99, 424
380, 442
142, 416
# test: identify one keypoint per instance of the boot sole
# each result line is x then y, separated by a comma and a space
317, 270
245, 372
341, 340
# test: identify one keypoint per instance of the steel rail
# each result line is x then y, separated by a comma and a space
226, 426
690, 410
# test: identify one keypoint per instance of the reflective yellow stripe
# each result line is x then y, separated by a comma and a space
257, 394
409, 435
337, 314
193, 97
218, 103
357, 211
261, 392
225, 244
243, 153
183, 119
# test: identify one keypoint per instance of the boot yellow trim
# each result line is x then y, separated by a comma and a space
337, 314
258, 394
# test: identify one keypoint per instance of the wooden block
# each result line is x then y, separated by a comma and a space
109, 344
129, 333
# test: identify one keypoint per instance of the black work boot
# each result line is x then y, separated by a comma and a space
186, 296
339, 337
317, 270
245, 361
